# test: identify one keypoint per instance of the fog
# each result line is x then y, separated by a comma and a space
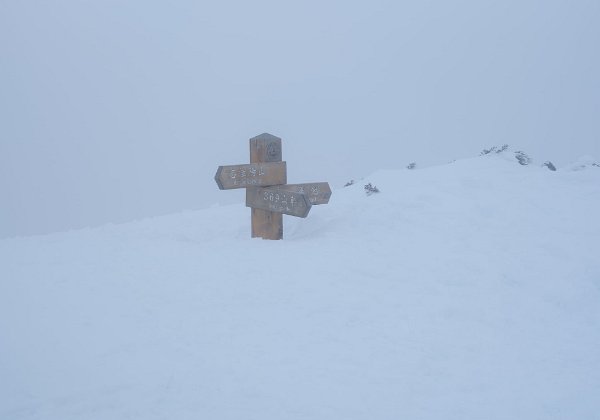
112, 111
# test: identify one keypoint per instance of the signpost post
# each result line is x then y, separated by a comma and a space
267, 192
265, 224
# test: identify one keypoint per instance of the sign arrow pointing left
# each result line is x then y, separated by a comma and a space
251, 175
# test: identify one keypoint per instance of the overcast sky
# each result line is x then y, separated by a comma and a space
117, 110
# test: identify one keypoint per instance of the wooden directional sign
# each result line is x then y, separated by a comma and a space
267, 193
317, 192
279, 201
252, 175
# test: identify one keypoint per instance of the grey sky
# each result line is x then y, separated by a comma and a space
113, 110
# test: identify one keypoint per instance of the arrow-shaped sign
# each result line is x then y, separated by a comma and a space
317, 192
279, 201
251, 175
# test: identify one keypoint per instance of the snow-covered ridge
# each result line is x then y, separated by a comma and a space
466, 291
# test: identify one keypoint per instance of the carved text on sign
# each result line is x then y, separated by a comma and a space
317, 192
250, 175
286, 202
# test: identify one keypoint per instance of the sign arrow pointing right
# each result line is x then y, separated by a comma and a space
279, 201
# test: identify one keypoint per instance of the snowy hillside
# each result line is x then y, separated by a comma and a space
464, 291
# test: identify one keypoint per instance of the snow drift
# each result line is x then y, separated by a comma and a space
464, 291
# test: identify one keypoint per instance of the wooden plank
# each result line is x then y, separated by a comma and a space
251, 175
265, 224
317, 192
278, 201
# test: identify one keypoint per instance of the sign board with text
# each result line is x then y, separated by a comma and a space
280, 201
250, 175
317, 192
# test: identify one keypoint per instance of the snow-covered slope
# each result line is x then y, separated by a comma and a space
465, 291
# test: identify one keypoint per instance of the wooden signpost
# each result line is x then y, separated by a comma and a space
267, 192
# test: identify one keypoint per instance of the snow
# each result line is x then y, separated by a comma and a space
464, 291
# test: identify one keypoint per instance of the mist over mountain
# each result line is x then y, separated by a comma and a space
112, 111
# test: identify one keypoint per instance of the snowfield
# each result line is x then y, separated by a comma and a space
464, 291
